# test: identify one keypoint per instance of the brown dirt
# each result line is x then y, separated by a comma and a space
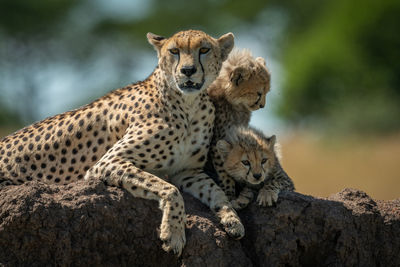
89, 224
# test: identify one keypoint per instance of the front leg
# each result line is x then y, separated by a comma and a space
244, 198
268, 195
276, 181
201, 186
225, 181
122, 173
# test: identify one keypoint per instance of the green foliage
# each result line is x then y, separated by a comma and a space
341, 59
343, 72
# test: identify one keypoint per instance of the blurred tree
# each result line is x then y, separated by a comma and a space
343, 71
340, 58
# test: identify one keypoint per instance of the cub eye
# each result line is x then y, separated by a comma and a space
174, 51
204, 50
246, 162
263, 160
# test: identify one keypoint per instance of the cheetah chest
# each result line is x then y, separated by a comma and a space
191, 148
184, 143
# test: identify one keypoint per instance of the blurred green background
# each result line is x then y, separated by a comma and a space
335, 68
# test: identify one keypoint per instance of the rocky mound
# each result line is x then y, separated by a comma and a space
87, 224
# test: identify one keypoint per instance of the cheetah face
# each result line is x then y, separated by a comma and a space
191, 60
245, 164
250, 85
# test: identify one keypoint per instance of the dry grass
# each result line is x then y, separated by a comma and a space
322, 167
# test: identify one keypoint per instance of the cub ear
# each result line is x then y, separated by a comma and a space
155, 40
226, 43
223, 148
236, 76
261, 61
271, 142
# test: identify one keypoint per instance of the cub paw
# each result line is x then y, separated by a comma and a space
232, 224
237, 205
267, 197
173, 238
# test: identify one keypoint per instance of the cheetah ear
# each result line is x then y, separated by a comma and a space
226, 43
236, 76
155, 40
223, 148
271, 142
261, 61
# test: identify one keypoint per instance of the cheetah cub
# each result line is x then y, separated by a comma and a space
251, 159
240, 88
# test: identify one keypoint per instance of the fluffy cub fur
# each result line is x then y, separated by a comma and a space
240, 88
250, 158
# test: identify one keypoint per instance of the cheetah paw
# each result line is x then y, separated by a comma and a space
173, 238
232, 225
267, 197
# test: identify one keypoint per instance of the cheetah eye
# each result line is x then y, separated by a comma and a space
246, 162
174, 51
263, 160
204, 50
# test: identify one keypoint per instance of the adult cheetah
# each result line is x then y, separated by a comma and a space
135, 136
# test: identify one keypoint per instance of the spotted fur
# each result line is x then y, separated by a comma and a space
251, 160
135, 136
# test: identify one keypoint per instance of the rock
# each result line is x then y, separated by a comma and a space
88, 223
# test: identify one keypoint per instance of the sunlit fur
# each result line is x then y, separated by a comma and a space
247, 144
183, 50
244, 81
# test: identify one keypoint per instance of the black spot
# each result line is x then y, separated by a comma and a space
55, 145
196, 152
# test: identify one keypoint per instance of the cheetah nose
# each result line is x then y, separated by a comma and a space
262, 105
188, 70
257, 176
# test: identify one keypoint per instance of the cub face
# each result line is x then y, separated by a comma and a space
250, 83
249, 163
192, 59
